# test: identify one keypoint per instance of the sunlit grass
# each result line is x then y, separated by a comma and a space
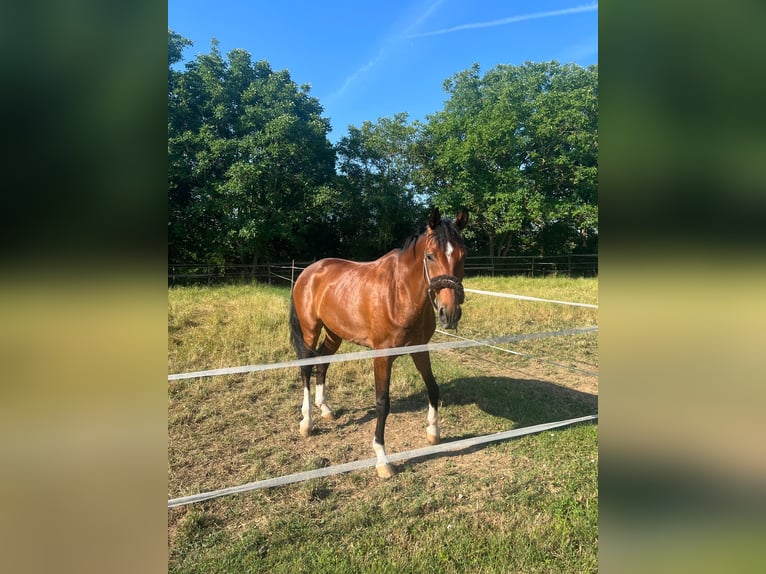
526, 505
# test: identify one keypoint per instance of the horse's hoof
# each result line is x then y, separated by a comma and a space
329, 416
305, 431
385, 471
432, 438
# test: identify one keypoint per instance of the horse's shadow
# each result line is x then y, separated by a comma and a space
525, 402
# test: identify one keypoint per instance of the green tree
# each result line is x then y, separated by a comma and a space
375, 195
517, 147
247, 150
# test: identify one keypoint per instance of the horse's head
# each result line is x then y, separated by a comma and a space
443, 263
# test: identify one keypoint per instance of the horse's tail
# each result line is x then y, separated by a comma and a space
296, 335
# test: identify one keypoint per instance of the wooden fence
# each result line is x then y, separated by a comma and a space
575, 265
282, 273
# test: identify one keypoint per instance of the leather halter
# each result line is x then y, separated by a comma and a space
443, 282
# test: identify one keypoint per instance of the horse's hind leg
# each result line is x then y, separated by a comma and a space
306, 425
329, 347
304, 340
423, 364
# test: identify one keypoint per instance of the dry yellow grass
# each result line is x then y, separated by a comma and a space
229, 430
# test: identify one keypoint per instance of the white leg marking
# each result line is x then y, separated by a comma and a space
319, 397
306, 424
380, 452
433, 422
319, 401
383, 466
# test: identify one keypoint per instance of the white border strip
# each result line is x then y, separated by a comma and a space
379, 353
348, 467
527, 298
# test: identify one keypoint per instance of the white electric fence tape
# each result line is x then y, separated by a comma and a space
380, 353
396, 457
525, 355
527, 298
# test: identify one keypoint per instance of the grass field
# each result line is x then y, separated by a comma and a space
525, 505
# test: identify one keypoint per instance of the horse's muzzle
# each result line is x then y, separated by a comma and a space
449, 320
449, 314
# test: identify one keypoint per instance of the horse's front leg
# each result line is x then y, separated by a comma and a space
423, 364
382, 367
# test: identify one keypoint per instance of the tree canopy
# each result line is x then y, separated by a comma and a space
519, 148
253, 177
247, 149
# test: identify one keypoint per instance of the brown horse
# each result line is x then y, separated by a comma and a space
380, 304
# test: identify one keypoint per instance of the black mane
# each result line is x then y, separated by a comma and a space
443, 233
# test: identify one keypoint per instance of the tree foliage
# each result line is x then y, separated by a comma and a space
519, 148
253, 177
375, 186
247, 148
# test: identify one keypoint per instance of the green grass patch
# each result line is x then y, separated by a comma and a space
525, 505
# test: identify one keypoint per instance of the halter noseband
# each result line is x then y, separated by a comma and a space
443, 282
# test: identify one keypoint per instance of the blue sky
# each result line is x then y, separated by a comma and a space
366, 60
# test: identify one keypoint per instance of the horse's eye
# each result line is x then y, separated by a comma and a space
430, 257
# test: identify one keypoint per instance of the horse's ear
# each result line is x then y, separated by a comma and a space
435, 218
461, 219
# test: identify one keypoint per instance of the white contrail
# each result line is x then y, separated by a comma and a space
510, 20
388, 46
